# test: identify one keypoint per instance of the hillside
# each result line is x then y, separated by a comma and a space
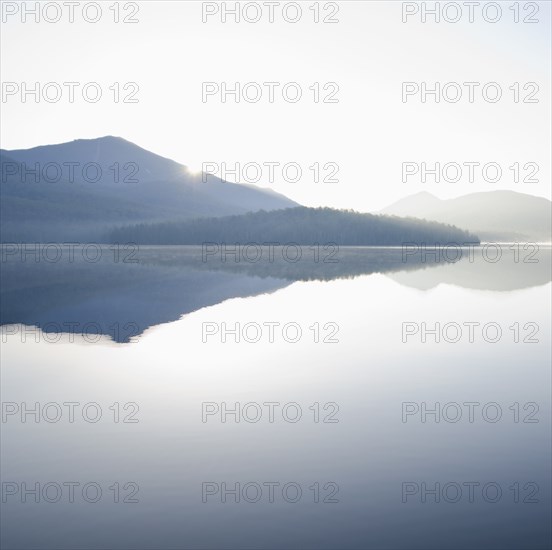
493, 216
299, 225
86, 187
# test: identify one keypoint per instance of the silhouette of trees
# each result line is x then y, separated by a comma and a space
300, 225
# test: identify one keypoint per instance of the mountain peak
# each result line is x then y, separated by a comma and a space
115, 139
404, 206
425, 195
492, 215
116, 182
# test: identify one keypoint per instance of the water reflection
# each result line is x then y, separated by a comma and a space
122, 296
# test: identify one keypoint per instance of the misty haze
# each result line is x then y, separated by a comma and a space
275, 275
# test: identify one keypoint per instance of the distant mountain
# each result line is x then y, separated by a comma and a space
87, 186
493, 216
301, 225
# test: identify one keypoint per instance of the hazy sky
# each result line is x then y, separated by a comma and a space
369, 53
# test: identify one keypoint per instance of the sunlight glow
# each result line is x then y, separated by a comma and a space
193, 169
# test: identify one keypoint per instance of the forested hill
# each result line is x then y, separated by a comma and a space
112, 182
299, 225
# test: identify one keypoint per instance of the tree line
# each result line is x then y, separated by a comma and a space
301, 225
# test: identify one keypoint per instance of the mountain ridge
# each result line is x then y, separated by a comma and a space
492, 215
87, 186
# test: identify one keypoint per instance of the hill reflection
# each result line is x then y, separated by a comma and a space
123, 299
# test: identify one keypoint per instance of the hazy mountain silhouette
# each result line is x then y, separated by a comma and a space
133, 185
122, 300
89, 187
493, 215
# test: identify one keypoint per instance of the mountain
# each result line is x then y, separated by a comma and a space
300, 225
87, 186
493, 216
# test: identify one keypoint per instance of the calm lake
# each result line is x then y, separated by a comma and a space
360, 398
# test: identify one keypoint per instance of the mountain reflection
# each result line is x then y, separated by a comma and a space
122, 295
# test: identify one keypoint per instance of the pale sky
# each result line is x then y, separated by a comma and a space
369, 53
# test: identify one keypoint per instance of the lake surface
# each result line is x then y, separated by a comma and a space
134, 372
